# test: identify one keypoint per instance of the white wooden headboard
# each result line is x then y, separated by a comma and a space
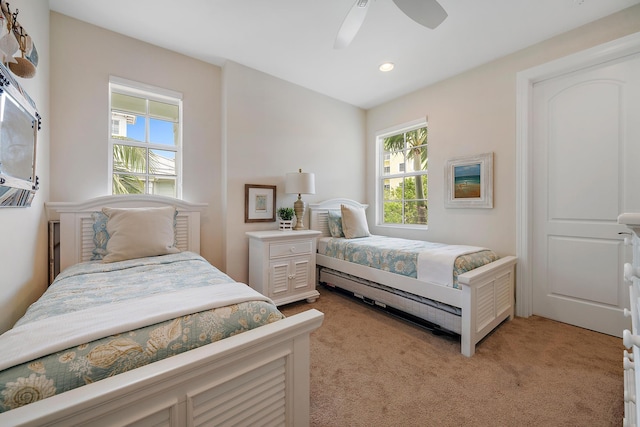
76, 223
319, 213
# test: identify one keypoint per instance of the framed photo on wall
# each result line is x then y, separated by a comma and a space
259, 203
469, 182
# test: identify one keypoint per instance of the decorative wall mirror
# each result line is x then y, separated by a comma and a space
19, 125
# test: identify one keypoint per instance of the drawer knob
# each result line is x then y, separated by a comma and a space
293, 249
627, 364
629, 340
630, 271
629, 397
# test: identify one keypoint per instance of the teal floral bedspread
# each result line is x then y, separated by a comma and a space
399, 256
87, 284
95, 283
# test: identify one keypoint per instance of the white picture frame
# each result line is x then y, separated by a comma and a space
469, 182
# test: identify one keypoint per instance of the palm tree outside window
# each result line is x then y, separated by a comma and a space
146, 139
403, 196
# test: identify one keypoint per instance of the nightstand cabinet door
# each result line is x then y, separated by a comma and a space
303, 278
282, 264
278, 279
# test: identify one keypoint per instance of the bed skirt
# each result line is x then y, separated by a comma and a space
443, 316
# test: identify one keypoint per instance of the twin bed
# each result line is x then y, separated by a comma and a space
149, 333
465, 290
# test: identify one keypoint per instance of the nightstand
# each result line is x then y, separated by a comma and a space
282, 264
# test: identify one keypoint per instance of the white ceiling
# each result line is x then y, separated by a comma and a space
293, 39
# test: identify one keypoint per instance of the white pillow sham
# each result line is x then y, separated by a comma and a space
354, 222
139, 232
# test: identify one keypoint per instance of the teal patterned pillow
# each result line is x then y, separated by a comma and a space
335, 224
100, 235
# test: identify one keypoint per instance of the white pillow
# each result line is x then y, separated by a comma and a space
354, 222
139, 232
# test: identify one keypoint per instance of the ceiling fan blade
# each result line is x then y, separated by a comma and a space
427, 13
351, 24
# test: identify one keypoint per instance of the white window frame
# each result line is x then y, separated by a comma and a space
380, 177
130, 87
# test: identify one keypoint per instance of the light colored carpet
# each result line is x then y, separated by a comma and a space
371, 369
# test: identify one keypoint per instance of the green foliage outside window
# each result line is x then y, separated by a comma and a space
130, 169
404, 178
412, 211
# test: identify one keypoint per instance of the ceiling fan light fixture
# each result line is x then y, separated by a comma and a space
351, 24
386, 67
428, 13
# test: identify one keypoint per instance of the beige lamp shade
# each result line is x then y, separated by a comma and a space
300, 183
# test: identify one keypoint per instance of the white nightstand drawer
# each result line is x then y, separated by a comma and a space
290, 248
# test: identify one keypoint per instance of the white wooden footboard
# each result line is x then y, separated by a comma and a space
488, 300
260, 376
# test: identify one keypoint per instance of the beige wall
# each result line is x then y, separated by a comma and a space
274, 127
473, 113
23, 231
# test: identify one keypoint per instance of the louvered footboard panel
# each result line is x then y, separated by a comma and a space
485, 305
493, 298
257, 397
503, 293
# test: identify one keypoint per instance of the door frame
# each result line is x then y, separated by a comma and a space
525, 80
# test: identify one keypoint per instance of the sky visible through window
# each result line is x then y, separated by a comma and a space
161, 133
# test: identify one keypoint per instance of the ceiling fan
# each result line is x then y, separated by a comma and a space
427, 13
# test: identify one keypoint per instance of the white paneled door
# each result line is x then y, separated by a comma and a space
586, 171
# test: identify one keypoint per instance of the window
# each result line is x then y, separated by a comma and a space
115, 127
402, 198
145, 143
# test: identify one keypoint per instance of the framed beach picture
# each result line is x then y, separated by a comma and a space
259, 203
469, 182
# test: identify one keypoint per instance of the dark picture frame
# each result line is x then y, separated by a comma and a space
259, 203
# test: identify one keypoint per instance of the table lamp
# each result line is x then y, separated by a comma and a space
300, 183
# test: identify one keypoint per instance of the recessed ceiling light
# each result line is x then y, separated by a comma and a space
387, 66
